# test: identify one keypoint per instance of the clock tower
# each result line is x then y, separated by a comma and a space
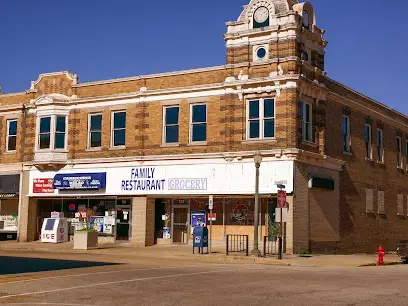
276, 37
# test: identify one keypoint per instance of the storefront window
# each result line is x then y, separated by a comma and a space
103, 214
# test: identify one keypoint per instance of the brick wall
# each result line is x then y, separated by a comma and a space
361, 231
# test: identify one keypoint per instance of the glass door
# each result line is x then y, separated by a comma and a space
123, 215
180, 224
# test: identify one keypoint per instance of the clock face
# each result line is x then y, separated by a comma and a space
305, 17
261, 14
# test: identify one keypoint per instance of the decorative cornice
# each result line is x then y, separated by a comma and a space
69, 75
290, 154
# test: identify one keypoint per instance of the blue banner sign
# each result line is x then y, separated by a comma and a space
72, 181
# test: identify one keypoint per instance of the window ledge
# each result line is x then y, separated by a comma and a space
10, 153
170, 145
400, 215
117, 148
255, 141
50, 151
309, 143
94, 149
197, 143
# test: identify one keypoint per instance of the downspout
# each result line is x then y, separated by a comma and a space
20, 188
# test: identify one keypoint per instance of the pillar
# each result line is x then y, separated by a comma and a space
28, 212
143, 213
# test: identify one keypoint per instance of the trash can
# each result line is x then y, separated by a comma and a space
200, 239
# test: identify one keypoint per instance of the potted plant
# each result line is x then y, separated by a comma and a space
87, 237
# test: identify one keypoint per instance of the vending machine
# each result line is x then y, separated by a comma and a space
54, 230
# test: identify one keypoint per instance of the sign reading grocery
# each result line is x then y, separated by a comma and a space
80, 181
43, 185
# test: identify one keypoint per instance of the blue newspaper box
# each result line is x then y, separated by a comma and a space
200, 238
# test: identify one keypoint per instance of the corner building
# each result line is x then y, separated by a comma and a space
144, 153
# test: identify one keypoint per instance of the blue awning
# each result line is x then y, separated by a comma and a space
72, 181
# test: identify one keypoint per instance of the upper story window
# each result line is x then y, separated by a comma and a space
367, 137
95, 131
52, 132
305, 19
261, 118
118, 138
305, 110
399, 152
406, 153
11, 135
260, 53
198, 129
261, 17
171, 125
345, 129
380, 146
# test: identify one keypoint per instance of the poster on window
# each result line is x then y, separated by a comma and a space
198, 219
97, 223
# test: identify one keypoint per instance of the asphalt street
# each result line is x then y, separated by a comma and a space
209, 284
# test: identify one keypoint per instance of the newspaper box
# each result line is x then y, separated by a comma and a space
54, 230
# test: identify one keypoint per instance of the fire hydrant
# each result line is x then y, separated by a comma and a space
381, 255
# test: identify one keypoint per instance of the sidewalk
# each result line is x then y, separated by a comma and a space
127, 253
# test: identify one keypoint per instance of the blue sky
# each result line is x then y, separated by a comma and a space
104, 39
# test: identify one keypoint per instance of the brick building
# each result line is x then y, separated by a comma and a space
147, 151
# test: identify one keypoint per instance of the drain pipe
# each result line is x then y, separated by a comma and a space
20, 201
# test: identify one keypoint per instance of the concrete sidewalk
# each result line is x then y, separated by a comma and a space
127, 253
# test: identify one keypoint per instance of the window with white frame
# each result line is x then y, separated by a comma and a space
261, 118
367, 137
171, 124
11, 135
346, 141
198, 127
95, 131
118, 138
380, 146
399, 152
305, 111
52, 132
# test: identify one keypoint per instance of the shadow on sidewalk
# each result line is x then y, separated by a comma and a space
17, 265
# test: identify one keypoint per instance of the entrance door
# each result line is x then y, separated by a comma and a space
122, 223
181, 224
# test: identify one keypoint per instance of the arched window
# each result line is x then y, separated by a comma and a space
261, 17
305, 19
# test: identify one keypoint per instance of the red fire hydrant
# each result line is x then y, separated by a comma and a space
381, 255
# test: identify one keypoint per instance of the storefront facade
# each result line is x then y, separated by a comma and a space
178, 190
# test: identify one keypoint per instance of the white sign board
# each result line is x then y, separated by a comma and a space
211, 202
184, 179
285, 213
